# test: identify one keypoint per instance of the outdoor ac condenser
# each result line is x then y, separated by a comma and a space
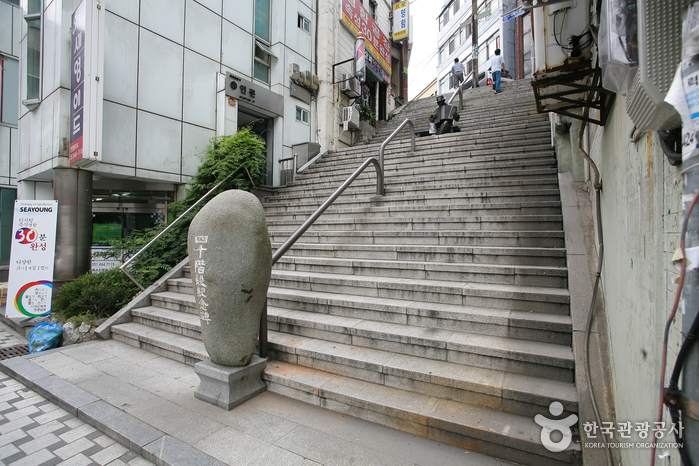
659, 53
351, 116
349, 87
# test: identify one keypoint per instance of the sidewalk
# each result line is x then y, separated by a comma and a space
146, 402
34, 431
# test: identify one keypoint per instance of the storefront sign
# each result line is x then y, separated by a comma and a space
400, 21
244, 91
31, 259
85, 86
514, 14
357, 19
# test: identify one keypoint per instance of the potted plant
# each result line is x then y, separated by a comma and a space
367, 114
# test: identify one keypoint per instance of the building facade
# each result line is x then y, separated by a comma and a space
455, 39
161, 72
382, 88
10, 16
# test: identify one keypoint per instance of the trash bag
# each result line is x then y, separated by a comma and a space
44, 336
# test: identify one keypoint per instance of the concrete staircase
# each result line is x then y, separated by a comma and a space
441, 309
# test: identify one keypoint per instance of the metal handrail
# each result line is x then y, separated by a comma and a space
263, 340
132, 258
460, 92
381, 189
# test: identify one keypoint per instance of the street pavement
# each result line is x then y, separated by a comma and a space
113, 404
35, 431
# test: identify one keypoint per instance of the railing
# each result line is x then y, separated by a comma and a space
380, 190
124, 266
460, 92
287, 170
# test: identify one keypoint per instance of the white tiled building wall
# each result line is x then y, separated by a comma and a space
10, 15
162, 60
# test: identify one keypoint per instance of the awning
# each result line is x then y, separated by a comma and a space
266, 49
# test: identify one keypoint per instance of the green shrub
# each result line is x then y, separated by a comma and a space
93, 296
241, 154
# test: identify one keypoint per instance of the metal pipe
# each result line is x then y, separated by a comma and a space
132, 258
307, 224
380, 188
263, 342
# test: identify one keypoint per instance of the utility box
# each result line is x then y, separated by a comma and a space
305, 152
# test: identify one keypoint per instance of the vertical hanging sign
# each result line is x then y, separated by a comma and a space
31, 259
77, 84
86, 59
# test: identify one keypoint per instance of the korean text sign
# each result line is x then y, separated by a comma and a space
357, 18
31, 258
400, 20
77, 84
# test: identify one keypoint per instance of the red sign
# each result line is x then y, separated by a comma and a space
357, 18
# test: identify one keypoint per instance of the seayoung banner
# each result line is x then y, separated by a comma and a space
31, 259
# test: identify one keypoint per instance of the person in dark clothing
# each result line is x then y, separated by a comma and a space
442, 120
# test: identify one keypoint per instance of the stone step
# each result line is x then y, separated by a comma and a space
443, 379
470, 198
179, 348
317, 337
547, 257
509, 436
485, 222
523, 275
494, 296
512, 297
486, 238
410, 211
417, 181
545, 328
486, 187
425, 167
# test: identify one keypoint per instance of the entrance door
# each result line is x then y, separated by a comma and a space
263, 127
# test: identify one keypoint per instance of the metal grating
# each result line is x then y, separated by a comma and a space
13, 351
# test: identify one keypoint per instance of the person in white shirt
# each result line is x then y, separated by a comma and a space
497, 65
457, 72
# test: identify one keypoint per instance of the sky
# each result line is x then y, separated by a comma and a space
422, 68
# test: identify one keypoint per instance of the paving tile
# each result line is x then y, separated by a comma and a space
109, 454
80, 431
8, 450
47, 428
73, 448
12, 437
77, 460
35, 458
39, 443
57, 413
23, 412
16, 424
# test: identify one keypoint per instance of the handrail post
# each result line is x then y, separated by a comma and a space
380, 187
263, 332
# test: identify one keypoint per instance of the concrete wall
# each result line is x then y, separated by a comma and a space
641, 219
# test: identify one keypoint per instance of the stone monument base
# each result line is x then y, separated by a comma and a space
227, 387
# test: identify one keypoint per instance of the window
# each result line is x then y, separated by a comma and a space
370, 6
444, 19
9, 90
301, 115
33, 19
490, 46
452, 46
304, 24
443, 54
262, 62
262, 19
457, 6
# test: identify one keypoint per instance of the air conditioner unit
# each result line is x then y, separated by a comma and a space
349, 87
294, 72
351, 116
315, 82
306, 79
659, 52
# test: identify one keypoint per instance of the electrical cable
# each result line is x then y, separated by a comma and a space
671, 319
600, 255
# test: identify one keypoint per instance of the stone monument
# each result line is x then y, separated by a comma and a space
230, 258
